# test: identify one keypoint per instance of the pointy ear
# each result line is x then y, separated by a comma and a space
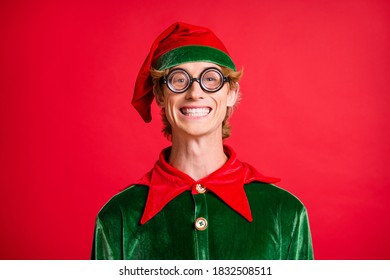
233, 96
159, 100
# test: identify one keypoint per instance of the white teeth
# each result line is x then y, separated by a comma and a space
195, 112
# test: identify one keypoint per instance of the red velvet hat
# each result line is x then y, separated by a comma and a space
179, 43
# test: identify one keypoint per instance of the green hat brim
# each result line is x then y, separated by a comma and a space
193, 54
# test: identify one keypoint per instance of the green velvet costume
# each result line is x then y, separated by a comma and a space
154, 219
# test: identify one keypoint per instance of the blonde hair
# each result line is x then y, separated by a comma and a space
234, 78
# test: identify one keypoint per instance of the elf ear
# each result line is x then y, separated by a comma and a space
159, 99
233, 95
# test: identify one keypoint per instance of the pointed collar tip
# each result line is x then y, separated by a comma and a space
144, 219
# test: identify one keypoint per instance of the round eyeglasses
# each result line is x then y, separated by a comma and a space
210, 80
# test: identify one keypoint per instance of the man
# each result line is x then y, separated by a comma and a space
199, 201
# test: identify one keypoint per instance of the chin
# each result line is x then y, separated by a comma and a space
198, 130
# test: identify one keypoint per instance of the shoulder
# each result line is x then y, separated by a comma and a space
273, 196
129, 200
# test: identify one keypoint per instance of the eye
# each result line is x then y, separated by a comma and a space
210, 79
179, 80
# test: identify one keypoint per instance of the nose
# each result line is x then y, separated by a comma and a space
195, 91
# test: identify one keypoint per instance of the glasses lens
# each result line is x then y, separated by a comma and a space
178, 81
212, 79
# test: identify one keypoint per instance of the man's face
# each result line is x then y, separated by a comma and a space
195, 112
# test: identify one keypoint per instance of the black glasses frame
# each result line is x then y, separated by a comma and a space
165, 79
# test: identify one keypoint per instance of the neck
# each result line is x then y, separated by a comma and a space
197, 157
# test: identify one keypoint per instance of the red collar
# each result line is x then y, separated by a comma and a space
166, 182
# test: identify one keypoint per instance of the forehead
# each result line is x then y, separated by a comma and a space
196, 67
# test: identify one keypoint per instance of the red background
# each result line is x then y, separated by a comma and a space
314, 112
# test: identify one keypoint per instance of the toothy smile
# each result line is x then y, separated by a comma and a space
195, 112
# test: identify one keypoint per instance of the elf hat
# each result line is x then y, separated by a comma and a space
179, 43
